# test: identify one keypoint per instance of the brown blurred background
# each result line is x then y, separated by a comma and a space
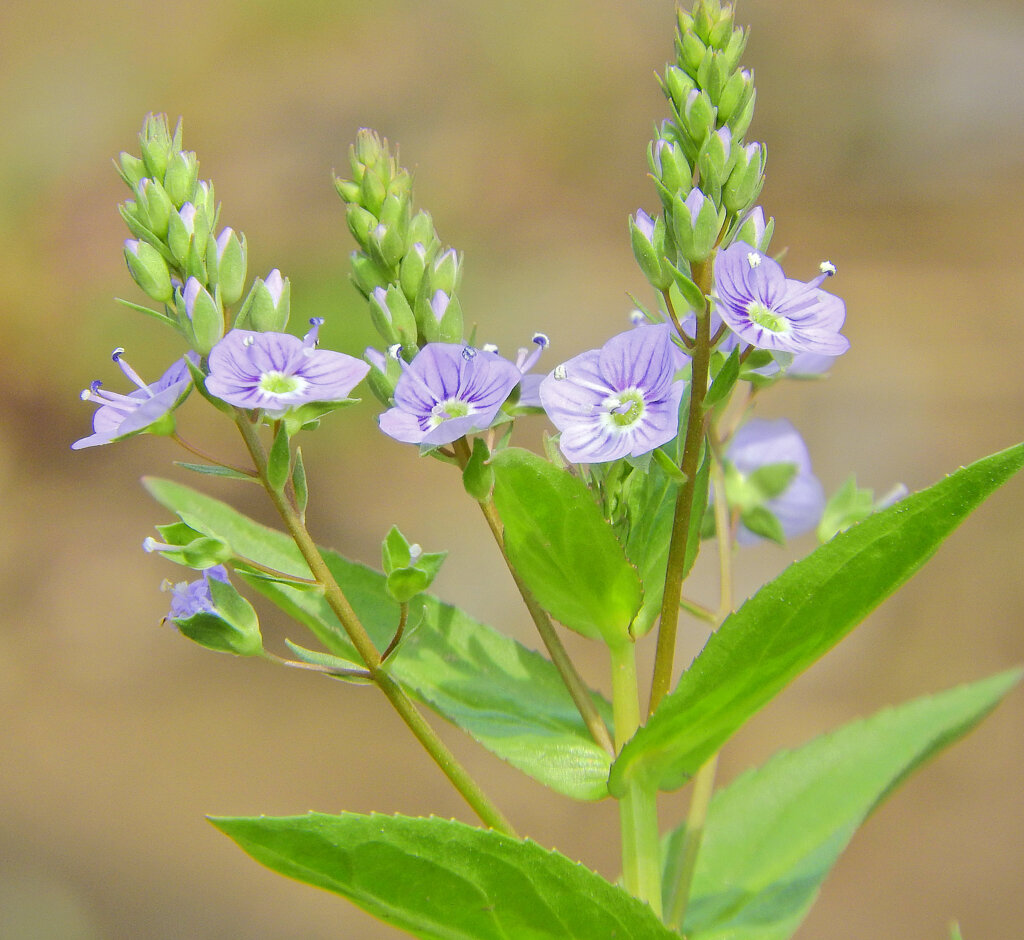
895, 132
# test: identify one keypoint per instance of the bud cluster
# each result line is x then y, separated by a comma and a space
708, 178
410, 280
174, 256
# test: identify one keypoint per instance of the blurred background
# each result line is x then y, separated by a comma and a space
896, 138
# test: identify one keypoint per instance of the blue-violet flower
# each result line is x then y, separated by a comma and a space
617, 401
276, 372
448, 391
148, 408
760, 443
770, 311
189, 598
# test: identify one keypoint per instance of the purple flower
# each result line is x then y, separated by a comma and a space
189, 598
760, 443
148, 408
277, 372
770, 311
617, 401
446, 392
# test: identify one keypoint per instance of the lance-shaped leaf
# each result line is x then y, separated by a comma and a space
795, 619
563, 548
443, 880
772, 835
509, 698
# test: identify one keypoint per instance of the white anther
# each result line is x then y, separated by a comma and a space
753, 259
559, 372
827, 267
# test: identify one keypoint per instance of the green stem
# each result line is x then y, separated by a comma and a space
703, 787
704, 780
638, 810
663, 661
578, 690
489, 814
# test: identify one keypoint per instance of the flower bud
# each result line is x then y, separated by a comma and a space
744, 114
180, 178
696, 224
266, 309
712, 73
157, 144
699, 116
132, 169
156, 205
392, 315
366, 274
227, 265
746, 179
439, 318
360, 223
148, 269
670, 167
735, 95
348, 189
421, 229
187, 232
446, 272
690, 50
368, 150
373, 191
677, 85
733, 49
386, 246
715, 161
203, 319
755, 231
383, 375
213, 614
410, 276
648, 240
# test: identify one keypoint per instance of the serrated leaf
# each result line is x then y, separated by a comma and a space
795, 619
507, 697
440, 879
563, 548
772, 835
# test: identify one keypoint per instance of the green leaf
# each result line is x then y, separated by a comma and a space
563, 548
439, 879
215, 471
772, 836
478, 476
299, 485
724, 381
795, 619
507, 697
849, 505
279, 460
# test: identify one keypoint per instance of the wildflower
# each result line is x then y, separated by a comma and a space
189, 598
148, 409
617, 401
770, 311
448, 391
760, 444
276, 372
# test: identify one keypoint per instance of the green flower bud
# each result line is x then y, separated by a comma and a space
188, 231
421, 229
368, 150
149, 270
267, 307
409, 571
735, 94
360, 223
677, 85
713, 73
670, 168
410, 274
386, 245
734, 49
446, 272
227, 265
392, 315
690, 51
440, 318
696, 224
383, 375
742, 117
348, 189
648, 239
715, 161
200, 316
158, 144
156, 204
231, 626
699, 116
132, 169
746, 179
180, 178
366, 274
374, 189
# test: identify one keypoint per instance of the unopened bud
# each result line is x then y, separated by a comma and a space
180, 178
148, 269
227, 265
